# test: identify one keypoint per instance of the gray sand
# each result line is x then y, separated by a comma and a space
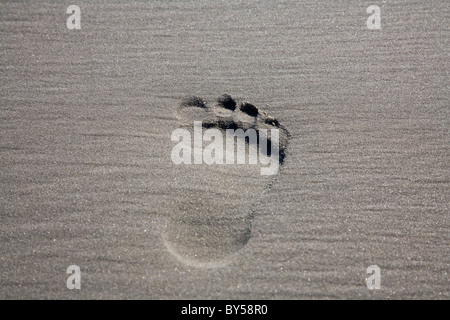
87, 178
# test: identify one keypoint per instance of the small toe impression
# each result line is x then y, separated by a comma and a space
193, 102
249, 109
227, 102
272, 121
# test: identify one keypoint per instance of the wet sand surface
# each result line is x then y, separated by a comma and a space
85, 148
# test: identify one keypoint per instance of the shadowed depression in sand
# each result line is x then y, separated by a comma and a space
200, 230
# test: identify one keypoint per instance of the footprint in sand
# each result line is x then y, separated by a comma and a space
212, 214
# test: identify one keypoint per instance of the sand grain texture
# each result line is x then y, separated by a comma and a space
86, 118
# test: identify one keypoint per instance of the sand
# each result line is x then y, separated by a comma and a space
85, 151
